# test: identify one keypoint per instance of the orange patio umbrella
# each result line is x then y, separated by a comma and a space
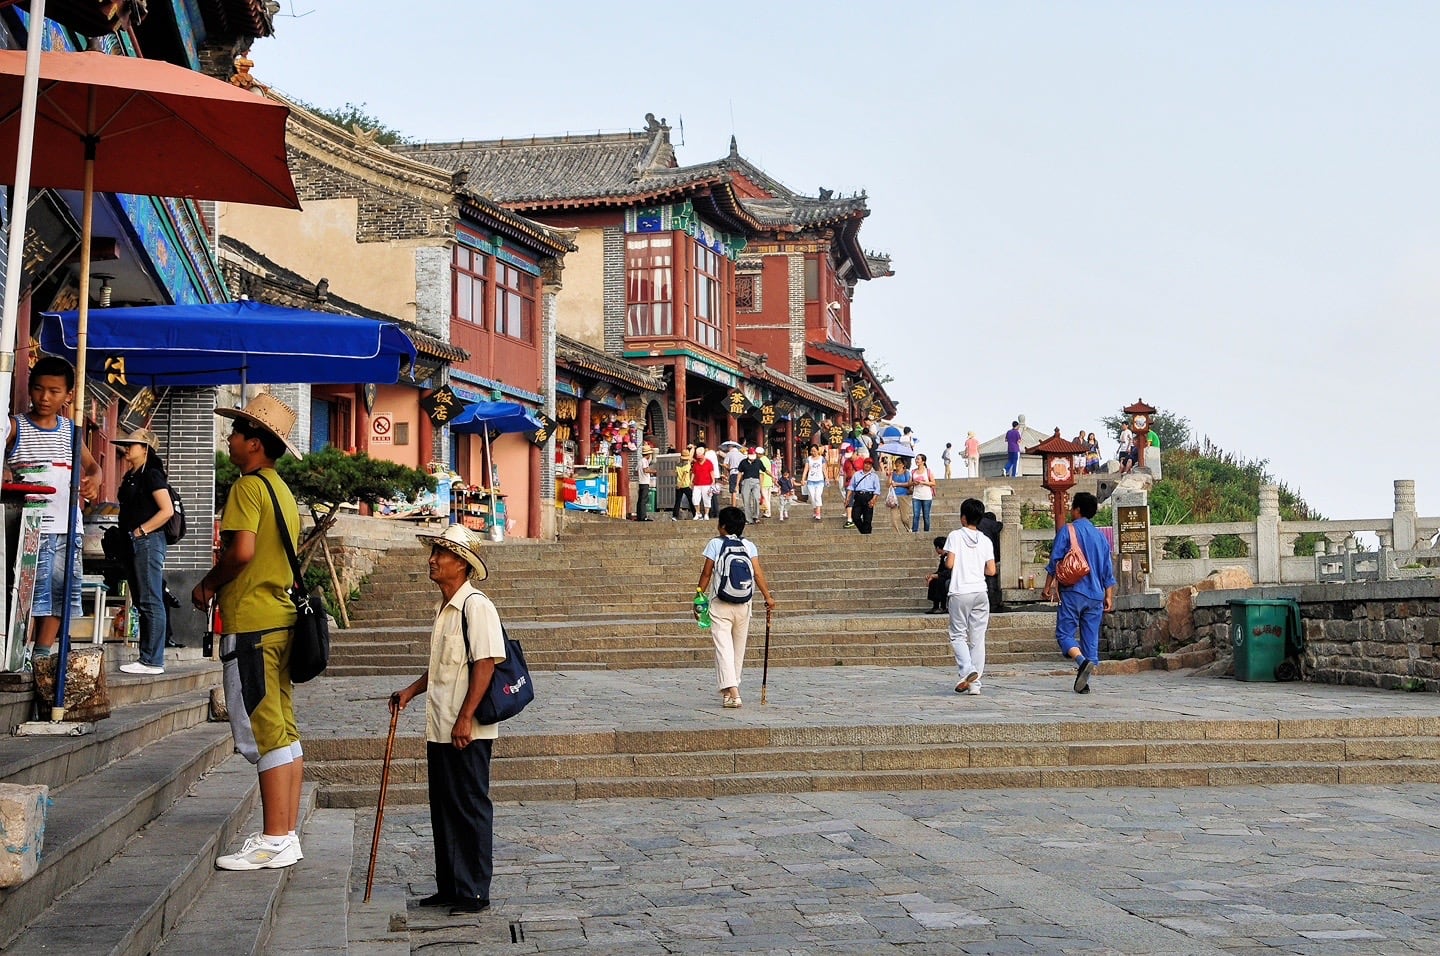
146, 127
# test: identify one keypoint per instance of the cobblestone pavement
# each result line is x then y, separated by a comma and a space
1292, 869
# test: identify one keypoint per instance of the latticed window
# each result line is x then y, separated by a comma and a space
514, 302
747, 293
708, 286
468, 277
649, 285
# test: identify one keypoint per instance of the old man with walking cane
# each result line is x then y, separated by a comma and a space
466, 641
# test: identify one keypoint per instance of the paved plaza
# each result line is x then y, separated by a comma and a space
1292, 869
1272, 869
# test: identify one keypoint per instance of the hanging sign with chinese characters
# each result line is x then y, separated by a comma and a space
767, 415
877, 411
441, 405
805, 427
859, 394
542, 434
735, 402
837, 435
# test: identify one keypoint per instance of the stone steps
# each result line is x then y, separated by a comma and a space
100, 808
717, 762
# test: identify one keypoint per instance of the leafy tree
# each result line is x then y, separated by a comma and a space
1173, 429
328, 478
354, 115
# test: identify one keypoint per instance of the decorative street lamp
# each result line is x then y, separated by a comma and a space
1142, 416
1059, 471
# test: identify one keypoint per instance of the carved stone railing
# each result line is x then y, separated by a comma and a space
1270, 547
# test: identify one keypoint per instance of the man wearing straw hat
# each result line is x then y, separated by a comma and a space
251, 580
466, 641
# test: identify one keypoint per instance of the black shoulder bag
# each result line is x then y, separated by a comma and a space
511, 689
310, 643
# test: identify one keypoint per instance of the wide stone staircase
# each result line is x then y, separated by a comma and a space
616, 594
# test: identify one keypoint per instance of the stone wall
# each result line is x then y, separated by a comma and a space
1383, 634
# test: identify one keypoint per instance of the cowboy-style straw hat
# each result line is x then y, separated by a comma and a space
140, 436
271, 414
461, 542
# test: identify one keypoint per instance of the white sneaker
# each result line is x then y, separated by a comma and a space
259, 853
139, 667
974, 689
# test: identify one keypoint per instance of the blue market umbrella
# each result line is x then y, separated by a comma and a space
502, 418
230, 343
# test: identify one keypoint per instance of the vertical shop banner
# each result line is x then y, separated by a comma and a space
382, 429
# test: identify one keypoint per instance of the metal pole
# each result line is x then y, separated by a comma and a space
765, 668
14, 268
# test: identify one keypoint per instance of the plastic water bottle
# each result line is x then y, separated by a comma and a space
702, 609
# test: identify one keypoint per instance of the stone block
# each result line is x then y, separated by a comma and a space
22, 831
86, 694
1392, 772
1228, 578
1055, 755
1179, 613
1265, 774
1105, 754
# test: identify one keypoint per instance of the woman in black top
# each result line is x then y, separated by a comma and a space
145, 508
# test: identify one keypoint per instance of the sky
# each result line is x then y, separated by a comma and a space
1228, 209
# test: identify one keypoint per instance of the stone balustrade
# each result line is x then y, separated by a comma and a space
1269, 544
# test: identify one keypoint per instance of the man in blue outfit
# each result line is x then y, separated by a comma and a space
1077, 626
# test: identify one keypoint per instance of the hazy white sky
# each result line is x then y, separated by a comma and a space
1227, 208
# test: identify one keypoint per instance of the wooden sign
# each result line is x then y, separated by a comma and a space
767, 415
441, 405
805, 427
542, 434
735, 402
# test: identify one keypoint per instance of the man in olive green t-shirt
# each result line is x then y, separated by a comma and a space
251, 581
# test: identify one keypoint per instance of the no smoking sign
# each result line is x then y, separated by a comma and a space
382, 429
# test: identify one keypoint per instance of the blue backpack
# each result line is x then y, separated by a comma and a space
735, 583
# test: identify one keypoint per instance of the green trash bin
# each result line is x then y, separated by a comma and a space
1262, 634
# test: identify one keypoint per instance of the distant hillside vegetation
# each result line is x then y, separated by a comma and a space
1205, 484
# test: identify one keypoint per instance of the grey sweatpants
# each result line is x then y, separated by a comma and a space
969, 617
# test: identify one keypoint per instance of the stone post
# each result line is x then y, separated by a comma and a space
1267, 536
1405, 516
1009, 540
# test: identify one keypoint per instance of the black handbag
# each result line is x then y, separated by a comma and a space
310, 640
511, 689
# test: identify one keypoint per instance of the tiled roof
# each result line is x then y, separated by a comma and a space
805, 212
753, 366
576, 354
543, 168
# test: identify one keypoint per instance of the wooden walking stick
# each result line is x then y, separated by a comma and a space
765, 668
380, 804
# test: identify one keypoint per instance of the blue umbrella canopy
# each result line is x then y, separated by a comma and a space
500, 418
230, 342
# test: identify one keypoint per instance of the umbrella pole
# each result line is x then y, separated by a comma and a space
82, 332
20, 209
490, 480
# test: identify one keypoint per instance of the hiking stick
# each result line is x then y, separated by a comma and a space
380, 803
765, 668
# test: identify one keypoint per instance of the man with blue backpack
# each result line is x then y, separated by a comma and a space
729, 578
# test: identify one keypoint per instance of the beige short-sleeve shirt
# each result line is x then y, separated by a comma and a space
450, 663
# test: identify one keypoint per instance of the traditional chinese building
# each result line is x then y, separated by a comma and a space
145, 249
663, 253
394, 237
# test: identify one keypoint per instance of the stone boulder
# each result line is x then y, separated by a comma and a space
22, 831
1180, 613
1228, 578
1133, 481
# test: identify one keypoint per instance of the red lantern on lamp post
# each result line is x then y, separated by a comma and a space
1058, 456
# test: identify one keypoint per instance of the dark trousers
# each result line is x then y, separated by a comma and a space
461, 818
992, 588
862, 512
683, 495
642, 503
